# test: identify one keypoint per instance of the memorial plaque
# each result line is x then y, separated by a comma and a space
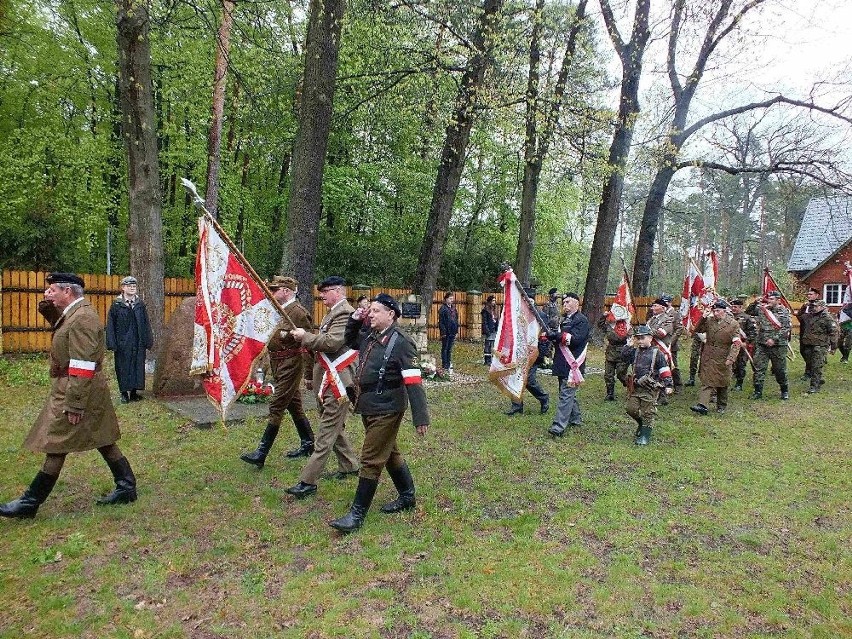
411, 310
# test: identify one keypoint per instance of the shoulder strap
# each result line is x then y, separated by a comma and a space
391, 343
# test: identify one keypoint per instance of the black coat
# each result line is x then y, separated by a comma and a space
578, 327
128, 334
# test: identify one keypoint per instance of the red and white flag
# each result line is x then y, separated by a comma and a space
622, 306
693, 287
711, 276
234, 317
516, 347
769, 285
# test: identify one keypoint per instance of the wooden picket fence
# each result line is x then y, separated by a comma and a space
23, 330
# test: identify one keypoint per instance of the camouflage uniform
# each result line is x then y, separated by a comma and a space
820, 338
650, 373
748, 336
614, 366
777, 353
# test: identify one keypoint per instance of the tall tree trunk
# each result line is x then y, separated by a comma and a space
535, 148
453, 155
309, 149
139, 128
214, 138
644, 258
631, 54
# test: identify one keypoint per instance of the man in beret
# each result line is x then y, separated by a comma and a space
748, 333
569, 363
128, 335
648, 372
288, 361
387, 378
819, 340
717, 357
773, 333
78, 414
334, 365
663, 332
678, 331
805, 315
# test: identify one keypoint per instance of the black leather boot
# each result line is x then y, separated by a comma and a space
125, 483
300, 490
701, 409
545, 404
785, 392
758, 392
258, 457
690, 381
353, 520
26, 506
125, 397
306, 435
610, 393
404, 483
515, 409
644, 436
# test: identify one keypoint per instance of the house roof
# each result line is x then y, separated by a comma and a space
826, 227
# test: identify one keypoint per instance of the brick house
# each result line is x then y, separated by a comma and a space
822, 247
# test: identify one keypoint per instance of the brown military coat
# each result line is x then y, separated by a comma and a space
77, 385
723, 343
289, 361
330, 340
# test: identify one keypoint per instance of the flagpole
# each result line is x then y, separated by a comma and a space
627, 278
236, 252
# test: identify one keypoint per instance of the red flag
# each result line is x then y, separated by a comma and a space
622, 308
234, 318
770, 285
693, 287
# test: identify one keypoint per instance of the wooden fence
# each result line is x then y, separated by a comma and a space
23, 330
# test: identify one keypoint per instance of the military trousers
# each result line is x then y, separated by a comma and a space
818, 355
568, 409
642, 406
287, 397
380, 449
613, 370
777, 355
330, 436
740, 366
694, 356
705, 396
845, 345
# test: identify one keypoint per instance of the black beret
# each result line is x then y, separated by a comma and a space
660, 301
64, 278
553, 291
736, 301
720, 304
667, 298
332, 280
388, 302
776, 294
573, 296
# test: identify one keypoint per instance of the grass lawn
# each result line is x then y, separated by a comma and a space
734, 526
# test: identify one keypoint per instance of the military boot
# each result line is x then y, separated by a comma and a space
758, 392
26, 506
739, 385
610, 392
785, 392
638, 428
690, 381
515, 409
258, 457
125, 483
404, 483
644, 436
364, 494
306, 436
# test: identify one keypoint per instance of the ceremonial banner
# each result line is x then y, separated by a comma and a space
770, 285
516, 347
711, 275
693, 287
622, 306
234, 317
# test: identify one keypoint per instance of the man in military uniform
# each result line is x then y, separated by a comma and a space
663, 331
773, 330
679, 331
819, 341
288, 362
805, 315
694, 356
617, 332
78, 414
717, 357
650, 372
551, 310
387, 379
748, 333
332, 382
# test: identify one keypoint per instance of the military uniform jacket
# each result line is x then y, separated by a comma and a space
289, 359
577, 326
662, 327
748, 326
723, 344
767, 330
330, 340
614, 342
821, 330
128, 333
805, 315
649, 361
77, 385
402, 382
678, 329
